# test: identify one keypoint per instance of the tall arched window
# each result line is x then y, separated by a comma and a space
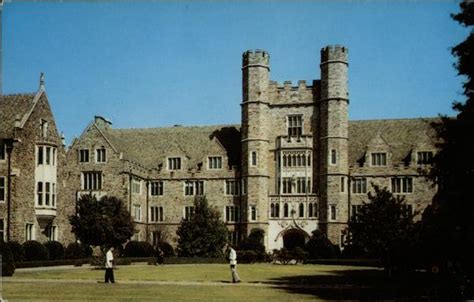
277, 210
301, 210
310, 209
272, 210
285, 210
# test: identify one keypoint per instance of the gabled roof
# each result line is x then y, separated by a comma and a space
401, 135
13, 106
150, 146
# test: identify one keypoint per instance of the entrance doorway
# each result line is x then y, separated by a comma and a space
293, 238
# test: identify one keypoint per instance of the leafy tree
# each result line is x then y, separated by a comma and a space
449, 223
203, 234
382, 227
105, 222
254, 241
8, 265
320, 247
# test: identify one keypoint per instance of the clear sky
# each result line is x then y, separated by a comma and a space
155, 64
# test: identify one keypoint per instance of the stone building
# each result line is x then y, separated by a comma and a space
32, 159
294, 165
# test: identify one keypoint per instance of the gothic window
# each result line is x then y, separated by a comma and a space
295, 125
193, 187
359, 185
91, 181
301, 210
232, 213
232, 187
156, 214
285, 210
402, 185
253, 213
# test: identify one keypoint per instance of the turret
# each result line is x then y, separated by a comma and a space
255, 124
333, 139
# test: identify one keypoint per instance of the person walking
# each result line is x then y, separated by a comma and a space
159, 255
109, 266
233, 265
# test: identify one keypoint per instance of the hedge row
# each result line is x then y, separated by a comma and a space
51, 250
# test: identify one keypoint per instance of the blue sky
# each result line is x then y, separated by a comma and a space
155, 64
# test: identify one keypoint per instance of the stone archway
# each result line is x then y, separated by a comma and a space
293, 238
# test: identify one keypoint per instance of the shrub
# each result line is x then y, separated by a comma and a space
17, 251
246, 256
78, 251
299, 254
282, 255
320, 247
55, 250
167, 249
254, 242
138, 249
8, 266
35, 251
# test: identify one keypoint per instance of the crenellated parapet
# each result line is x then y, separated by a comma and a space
289, 94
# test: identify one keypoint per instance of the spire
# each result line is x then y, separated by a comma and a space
41, 87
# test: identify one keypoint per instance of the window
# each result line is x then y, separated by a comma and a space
155, 237
174, 163
379, 159
313, 209
333, 157
2, 230
299, 185
295, 125
301, 210
402, 185
232, 213
424, 157
40, 155
137, 210
47, 194
285, 210
332, 212
53, 195
84, 155
100, 155
193, 187
48, 155
39, 193
343, 184
296, 160
44, 128
274, 210
233, 237
359, 185
232, 187
253, 213
188, 212
136, 186
355, 209
156, 188
53, 156
303, 185
214, 162
92, 181
30, 232
287, 187
244, 186
52, 233
2, 189
253, 158
3, 152
156, 214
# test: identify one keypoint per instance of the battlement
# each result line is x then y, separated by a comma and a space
288, 93
334, 53
256, 57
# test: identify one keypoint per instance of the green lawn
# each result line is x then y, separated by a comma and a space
210, 282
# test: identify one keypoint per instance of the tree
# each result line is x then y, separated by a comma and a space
103, 223
449, 223
382, 227
320, 247
203, 234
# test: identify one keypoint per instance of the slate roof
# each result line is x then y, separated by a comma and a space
150, 146
11, 106
401, 135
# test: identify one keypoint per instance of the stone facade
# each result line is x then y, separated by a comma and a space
296, 163
34, 149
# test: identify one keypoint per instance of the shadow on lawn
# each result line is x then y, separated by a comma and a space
370, 285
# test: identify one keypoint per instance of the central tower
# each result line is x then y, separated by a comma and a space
255, 141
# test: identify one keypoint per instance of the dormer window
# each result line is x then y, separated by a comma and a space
295, 125
214, 162
100, 155
424, 157
174, 163
379, 159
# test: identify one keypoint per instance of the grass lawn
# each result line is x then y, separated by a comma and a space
210, 282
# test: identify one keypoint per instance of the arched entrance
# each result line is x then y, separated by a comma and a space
293, 238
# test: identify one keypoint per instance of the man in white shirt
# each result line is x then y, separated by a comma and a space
109, 266
233, 265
